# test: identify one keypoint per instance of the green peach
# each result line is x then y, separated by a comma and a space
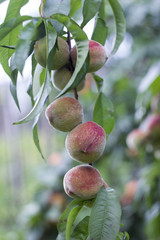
60, 58
62, 77
64, 113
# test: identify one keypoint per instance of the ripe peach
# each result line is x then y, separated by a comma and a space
153, 127
136, 138
97, 54
83, 181
64, 113
86, 142
60, 58
129, 192
62, 77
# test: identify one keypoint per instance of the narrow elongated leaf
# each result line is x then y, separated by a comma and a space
9, 31
70, 221
63, 219
100, 31
14, 7
155, 86
56, 6
103, 113
81, 230
44, 92
75, 5
51, 36
8, 26
82, 49
24, 43
46, 87
35, 135
99, 81
107, 210
119, 23
8, 36
13, 84
90, 9
30, 87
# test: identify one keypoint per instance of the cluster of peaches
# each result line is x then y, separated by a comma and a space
64, 60
86, 141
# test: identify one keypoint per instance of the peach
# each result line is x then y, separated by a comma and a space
136, 138
83, 182
86, 142
60, 58
62, 77
97, 54
153, 127
129, 192
64, 113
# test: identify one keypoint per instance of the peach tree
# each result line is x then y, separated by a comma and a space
47, 40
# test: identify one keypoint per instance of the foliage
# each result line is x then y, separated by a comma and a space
55, 17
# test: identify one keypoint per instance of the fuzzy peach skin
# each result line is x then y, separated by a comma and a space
97, 54
64, 113
60, 58
86, 142
83, 182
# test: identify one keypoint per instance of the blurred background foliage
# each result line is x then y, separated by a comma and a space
32, 196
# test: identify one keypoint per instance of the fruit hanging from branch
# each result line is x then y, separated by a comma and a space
60, 58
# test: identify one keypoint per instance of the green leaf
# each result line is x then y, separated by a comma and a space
105, 216
30, 88
82, 48
71, 219
90, 9
103, 113
63, 219
46, 87
75, 5
99, 81
122, 236
10, 29
119, 23
14, 8
35, 135
155, 86
81, 230
44, 92
24, 43
55, 6
51, 36
8, 26
100, 31
8, 36
2, 1
13, 84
